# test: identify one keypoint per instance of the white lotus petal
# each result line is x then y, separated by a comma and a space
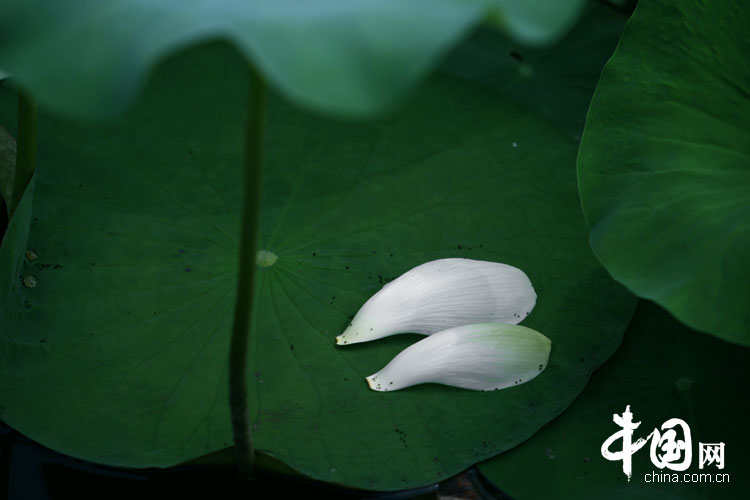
482, 357
442, 294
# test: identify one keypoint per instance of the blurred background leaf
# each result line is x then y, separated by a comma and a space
346, 57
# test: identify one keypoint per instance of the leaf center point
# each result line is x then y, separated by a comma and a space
264, 258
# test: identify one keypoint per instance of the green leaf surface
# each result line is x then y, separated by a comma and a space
557, 81
662, 370
119, 354
349, 57
664, 165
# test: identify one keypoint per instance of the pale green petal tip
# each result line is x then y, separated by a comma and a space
345, 338
374, 384
358, 331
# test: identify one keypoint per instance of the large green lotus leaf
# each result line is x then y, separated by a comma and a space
664, 165
557, 81
119, 354
88, 57
662, 370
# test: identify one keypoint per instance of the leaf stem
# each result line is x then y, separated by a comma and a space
26, 148
238, 399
